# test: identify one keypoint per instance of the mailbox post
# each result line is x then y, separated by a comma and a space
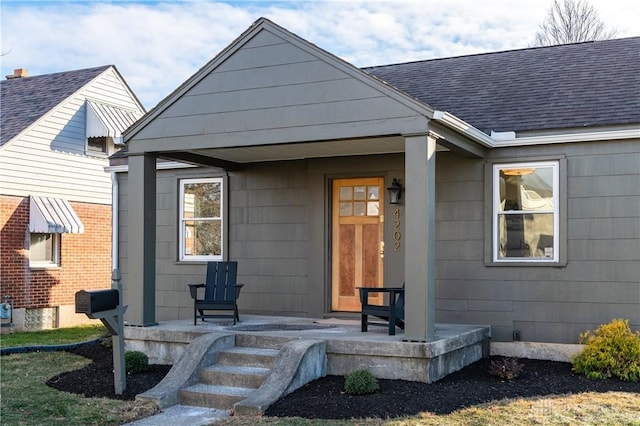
106, 306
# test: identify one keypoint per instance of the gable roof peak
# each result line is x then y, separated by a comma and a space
28, 99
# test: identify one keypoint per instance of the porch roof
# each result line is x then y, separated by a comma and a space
273, 96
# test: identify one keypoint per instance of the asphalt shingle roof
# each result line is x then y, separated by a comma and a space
25, 100
567, 86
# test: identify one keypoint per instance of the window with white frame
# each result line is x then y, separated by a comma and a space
44, 250
525, 212
201, 227
98, 145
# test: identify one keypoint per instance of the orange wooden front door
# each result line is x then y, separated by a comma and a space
357, 240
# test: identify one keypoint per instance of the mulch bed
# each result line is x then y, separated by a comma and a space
96, 379
325, 398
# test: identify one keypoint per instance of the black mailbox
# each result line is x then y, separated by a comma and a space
89, 302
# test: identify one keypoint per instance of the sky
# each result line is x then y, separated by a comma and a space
157, 45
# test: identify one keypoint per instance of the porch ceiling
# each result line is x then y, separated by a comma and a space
301, 150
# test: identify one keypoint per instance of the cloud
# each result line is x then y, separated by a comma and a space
158, 45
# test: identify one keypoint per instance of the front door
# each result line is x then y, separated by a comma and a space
357, 240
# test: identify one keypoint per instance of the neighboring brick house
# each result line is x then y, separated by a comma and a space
57, 131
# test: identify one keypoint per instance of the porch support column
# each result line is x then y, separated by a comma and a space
420, 166
140, 283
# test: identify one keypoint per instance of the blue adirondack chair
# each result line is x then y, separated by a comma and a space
392, 314
221, 292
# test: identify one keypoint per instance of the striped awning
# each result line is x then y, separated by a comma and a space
106, 120
53, 216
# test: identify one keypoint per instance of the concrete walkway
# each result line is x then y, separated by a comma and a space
183, 415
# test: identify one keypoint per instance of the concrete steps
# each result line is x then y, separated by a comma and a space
237, 374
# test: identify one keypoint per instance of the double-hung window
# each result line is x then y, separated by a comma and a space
201, 213
525, 212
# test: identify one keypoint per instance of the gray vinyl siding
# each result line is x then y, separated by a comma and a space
276, 231
601, 279
279, 233
274, 91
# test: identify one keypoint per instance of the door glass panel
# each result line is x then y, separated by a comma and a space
359, 209
373, 193
345, 209
359, 193
373, 208
346, 193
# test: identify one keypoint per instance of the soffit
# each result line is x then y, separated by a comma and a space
297, 151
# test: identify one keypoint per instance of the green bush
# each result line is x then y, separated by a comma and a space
135, 362
360, 382
613, 350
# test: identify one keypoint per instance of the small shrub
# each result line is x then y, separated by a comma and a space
135, 362
506, 368
613, 350
360, 382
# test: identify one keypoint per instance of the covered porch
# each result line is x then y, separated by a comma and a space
269, 101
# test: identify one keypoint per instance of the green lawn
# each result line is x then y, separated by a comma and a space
56, 336
27, 400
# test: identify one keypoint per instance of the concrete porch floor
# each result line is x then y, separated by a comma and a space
388, 357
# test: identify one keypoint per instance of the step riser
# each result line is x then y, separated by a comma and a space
209, 400
251, 381
246, 360
257, 341
230, 370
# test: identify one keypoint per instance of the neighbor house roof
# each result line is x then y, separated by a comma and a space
25, 100
566, 86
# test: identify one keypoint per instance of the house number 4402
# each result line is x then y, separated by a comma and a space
397, 235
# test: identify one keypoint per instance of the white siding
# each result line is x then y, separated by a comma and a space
49, 159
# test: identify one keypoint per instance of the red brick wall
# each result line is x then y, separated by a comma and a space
85, 259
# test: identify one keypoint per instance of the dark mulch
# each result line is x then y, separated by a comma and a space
325, 398
96, 379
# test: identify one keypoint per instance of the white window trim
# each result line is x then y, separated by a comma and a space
55, 263
95, 153
182, 257
557, 248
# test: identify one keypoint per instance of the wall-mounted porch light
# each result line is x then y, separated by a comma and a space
395, 192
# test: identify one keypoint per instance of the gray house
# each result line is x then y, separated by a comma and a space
518, 171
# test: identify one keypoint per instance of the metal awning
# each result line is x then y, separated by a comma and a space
105, 120
52, 216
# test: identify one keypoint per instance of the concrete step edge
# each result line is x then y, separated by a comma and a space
237, 369
203, 388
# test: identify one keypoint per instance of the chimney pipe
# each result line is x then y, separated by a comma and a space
18, 73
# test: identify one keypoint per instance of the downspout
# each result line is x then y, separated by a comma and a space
114, 221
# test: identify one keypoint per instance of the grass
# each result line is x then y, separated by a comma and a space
58, 336
27, 400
